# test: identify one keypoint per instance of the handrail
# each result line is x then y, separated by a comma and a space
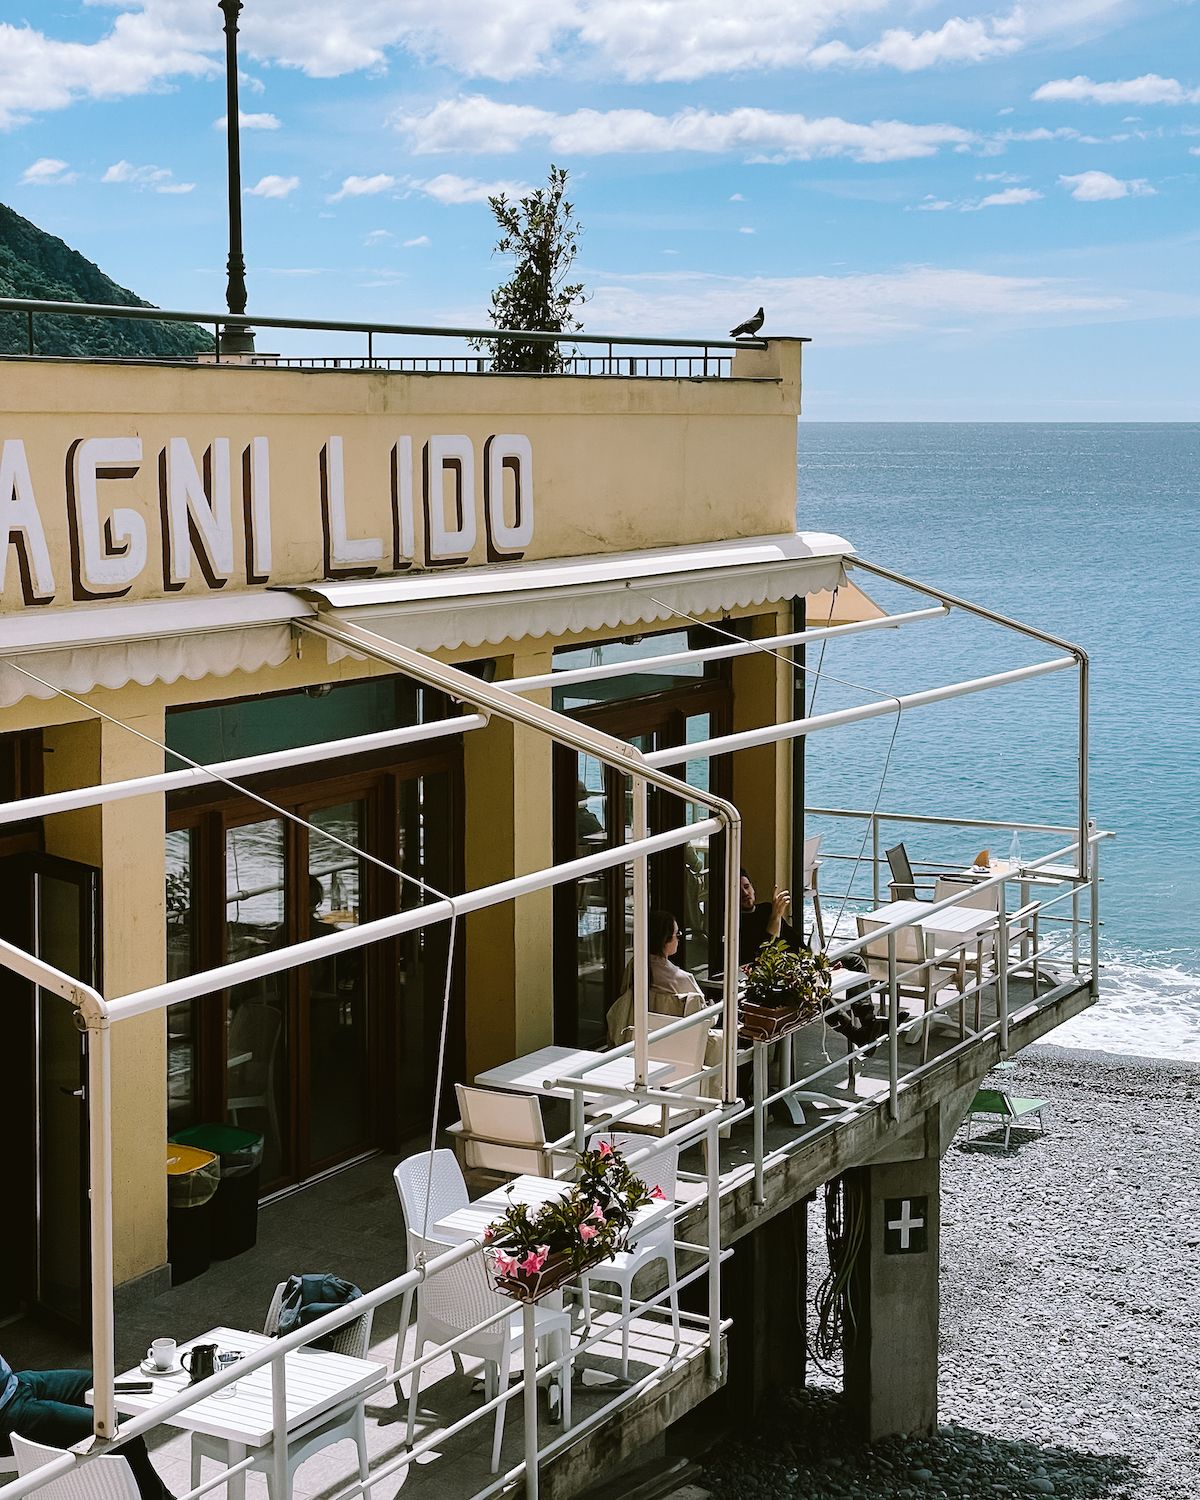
34, 306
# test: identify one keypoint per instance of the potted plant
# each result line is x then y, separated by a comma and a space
531, 1254
784, 988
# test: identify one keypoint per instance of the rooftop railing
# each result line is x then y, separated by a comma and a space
625, 355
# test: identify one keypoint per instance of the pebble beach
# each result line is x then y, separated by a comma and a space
1070, 1318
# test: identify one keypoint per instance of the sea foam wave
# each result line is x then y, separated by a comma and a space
1147, 1008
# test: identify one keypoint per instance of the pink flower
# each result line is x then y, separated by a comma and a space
489, 1234
658, 1195
506, 1265
535, 1260
588, 1232
605, 1149
597, 1213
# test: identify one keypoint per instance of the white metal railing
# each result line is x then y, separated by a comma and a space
707, 1255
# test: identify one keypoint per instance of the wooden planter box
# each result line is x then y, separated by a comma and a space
767, 1023
560, 1269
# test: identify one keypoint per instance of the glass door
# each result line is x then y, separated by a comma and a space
257, 1029
51, 909
334, 1012
594, 915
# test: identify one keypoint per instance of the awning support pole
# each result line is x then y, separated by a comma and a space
1078, 654
641, 944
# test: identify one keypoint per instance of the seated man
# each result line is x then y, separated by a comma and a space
48, 1407
763, 921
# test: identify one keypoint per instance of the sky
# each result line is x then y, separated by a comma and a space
976, 215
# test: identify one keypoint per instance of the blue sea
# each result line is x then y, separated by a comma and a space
1090, 532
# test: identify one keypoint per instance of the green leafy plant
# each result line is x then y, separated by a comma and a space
779, 976
588, 1224
541, 233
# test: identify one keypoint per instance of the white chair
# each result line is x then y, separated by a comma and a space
456, 1299
808, 877
920, 976
107, 1478
685, 1051
657, 1242
438, 1176
346, 1421
254, 1032
502, 1134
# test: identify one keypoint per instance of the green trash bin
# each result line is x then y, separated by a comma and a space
193, 1177
235, 1208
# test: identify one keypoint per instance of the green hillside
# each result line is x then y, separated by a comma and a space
36, 264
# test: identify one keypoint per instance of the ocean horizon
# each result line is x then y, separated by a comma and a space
1087, 531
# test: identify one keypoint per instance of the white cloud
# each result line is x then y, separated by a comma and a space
363, 187
475, 123
419, 242
449, 188
736, 198
47, 171
1098, 187
998, 177
854, 308
153, 44
957, 41
272, 186
745, 229
1008, 198
159, 179
1194, 150
378, 237
1150, 88
250, 122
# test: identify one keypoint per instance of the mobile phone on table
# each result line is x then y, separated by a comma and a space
133, 1387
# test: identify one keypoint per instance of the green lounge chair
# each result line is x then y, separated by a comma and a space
994, 1103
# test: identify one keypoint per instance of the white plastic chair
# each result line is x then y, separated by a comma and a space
919, 975
459, 1297
254, 1028
347, 1421
654, 1243
808, 877
107, 1478
502, 1134
438, 1174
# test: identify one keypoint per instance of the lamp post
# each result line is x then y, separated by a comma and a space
234, 340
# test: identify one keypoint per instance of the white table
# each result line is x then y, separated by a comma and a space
470, 1222
958, 923
317, 1381
536, 1071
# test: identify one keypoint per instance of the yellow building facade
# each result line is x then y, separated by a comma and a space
164, 534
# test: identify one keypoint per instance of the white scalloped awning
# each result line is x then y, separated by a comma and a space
165, 640
481, 607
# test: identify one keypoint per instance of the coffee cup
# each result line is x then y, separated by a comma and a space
162, 1354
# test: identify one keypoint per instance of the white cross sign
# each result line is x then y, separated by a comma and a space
905, 1223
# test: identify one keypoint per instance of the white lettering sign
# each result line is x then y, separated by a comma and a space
196, 518
107, 557
21, 526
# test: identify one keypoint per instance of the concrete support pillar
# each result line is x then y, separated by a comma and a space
764, 1292
891, 1349
509, 830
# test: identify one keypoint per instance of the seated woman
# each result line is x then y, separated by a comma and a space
672, 992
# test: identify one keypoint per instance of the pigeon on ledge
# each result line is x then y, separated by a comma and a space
750, 326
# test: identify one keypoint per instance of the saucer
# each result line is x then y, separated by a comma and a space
148, 1367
